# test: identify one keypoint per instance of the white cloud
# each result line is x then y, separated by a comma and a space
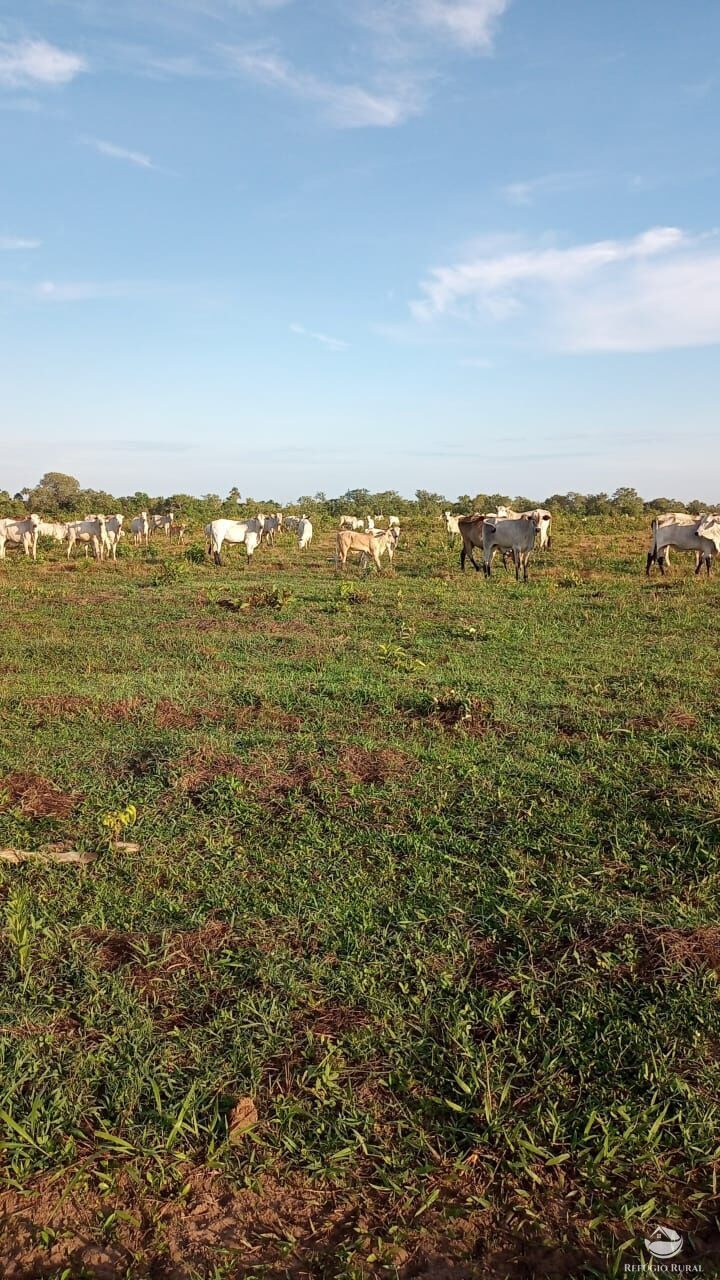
119, 153
9, 244
346, 106
333, 344
524, 192
90, 290
655, 291
470, 23
35, 62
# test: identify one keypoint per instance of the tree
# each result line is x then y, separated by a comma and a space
664, 504
598, 504
627, 501
56, 491
428, 501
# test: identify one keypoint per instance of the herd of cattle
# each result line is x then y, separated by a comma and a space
515, 534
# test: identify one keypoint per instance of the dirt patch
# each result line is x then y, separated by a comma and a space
372, 768
114, 948
57, 707
168, 715
290, 1230
121, 709
36, 797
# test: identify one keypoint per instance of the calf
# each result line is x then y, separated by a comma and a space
365, 544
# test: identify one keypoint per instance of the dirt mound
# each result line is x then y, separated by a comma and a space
36, 797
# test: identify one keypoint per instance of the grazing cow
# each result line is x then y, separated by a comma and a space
393, 522
305, 532
90, 532
233, 531
291, 523
702, 537
178, 531
515, 534
21, 532
365, 544
351, 522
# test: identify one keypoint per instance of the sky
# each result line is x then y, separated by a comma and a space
311, 245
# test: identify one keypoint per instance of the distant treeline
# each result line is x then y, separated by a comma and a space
57, 494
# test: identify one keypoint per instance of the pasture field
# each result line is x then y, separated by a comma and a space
414, 969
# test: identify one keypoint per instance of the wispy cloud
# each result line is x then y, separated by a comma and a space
470, 23
346, 106
88, 290
655, 291
526, 191
10, 244
333, 344
137, 158
26, 63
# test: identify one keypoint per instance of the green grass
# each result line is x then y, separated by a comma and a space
427, 869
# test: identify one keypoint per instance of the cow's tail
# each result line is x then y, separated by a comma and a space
652, 553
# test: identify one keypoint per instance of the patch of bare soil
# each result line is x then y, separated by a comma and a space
120, 709
57, 707
36, 797
168, 715
372, 768
290, 1230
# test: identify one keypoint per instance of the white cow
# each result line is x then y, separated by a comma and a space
89, 532
393, 522
543, 521
163, 522
20, 532
351, 522
233, 531
271, 526
515, 534
305, 533
140, 528
702, 536
53, 529
113, 533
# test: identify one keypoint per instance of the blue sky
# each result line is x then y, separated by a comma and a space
292, 245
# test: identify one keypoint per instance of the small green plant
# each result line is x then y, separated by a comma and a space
117, 821
21, 927
273, 597
398, 658
195, 554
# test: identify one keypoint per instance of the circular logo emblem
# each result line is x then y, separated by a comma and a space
665, 1242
